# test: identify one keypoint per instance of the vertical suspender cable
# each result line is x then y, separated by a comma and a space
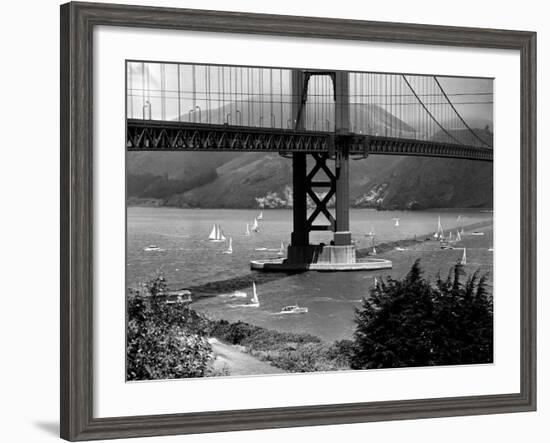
179, 92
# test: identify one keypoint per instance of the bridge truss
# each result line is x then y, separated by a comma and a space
151, 135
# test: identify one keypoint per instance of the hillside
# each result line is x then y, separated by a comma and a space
248, 180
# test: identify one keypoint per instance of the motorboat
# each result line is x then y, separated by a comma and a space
179, 296
294, 309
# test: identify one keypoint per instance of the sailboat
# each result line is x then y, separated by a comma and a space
371, 232
396, 221
458, 237
247, 230
439, 233
229, 250
260, 216
373, 250
216, 235
463, 260
281, 249
213, 234
255, 226
255, 302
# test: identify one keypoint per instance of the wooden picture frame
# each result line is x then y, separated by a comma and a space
77, 23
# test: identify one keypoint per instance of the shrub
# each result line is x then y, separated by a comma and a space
164, 341
411, 322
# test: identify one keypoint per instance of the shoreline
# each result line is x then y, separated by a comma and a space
417, 240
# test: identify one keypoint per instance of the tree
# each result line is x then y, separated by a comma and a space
164, 341
411, 322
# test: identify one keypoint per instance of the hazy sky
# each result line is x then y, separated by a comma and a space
169, 93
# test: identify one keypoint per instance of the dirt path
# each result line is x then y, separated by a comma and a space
238, 362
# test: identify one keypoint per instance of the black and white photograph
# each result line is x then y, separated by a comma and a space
293, 220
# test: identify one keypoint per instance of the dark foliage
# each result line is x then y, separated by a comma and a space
164, 341
412, 322
242, 333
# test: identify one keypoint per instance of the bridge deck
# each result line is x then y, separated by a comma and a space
160, 135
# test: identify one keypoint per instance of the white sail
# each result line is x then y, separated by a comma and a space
439, 227
281, 249
463, 261
255, 225
247, 230
217, 234
212, 235
458, 237
229, 250
254, 294
260, 215
396, 221
373, 250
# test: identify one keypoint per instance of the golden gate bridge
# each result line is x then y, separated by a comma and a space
324, 114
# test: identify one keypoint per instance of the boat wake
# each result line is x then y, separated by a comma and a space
236, 294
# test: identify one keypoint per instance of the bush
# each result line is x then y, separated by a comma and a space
411, 322
164, 341
245, 334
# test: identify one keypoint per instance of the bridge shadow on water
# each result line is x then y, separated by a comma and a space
211, 289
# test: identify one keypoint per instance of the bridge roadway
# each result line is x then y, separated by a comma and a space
157, 135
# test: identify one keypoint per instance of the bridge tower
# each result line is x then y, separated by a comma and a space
340, 253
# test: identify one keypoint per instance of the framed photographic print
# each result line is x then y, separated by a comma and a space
273, 221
